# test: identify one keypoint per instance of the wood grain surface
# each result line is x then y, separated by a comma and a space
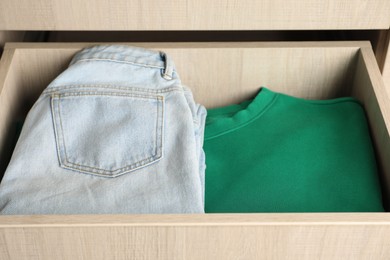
386, 64
243, 236
194, 15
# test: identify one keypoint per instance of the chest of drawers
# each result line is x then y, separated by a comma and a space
231, 72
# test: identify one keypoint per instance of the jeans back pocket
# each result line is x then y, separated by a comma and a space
107, 133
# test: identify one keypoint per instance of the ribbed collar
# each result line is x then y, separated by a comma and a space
226, 119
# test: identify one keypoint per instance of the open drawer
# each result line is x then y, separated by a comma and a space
218, 74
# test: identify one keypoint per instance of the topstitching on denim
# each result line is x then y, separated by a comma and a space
57, 88
124, 54
152, 66
111, 172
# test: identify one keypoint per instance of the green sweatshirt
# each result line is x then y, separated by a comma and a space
278, 153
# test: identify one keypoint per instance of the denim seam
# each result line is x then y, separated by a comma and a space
125, 62
158, 133
62, 132
103, 172
155, 91
58, 145
119, 61
96, 93
111, 175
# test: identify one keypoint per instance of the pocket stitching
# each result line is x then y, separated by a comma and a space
103, 172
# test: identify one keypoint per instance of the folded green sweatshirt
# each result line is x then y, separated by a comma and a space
278, 153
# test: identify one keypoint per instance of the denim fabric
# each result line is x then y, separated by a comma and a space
116, 132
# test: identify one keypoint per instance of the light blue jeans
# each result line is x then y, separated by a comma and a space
116, 132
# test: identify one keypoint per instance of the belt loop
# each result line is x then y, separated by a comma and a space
167, 73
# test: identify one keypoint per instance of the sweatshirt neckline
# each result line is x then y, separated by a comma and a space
226, 119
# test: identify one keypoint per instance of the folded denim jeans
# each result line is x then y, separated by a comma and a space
116, 132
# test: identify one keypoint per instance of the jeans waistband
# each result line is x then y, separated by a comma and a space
128, 54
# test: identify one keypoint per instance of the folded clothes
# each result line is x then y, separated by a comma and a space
116, 132
277, 153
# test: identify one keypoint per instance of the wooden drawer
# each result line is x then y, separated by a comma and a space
194, 15
386, 65
218, 74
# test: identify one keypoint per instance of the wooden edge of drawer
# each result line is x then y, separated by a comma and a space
380, 90
295, 44
250, 219
5, 63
